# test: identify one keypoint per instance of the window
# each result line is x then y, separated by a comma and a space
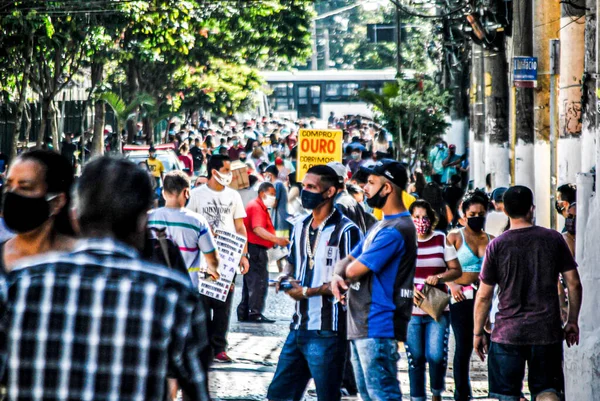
282, 98
341, 92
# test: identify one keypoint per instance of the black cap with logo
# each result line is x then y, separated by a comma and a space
394, 171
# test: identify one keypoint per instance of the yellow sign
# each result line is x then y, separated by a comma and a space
318, 146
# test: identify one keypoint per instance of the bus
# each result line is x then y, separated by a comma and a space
308, 94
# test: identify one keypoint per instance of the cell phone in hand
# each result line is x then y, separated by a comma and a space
285, 285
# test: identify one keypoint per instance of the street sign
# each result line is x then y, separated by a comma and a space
525, 72
318, 146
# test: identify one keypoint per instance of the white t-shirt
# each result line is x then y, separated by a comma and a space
495, 223
189, 231
219, 208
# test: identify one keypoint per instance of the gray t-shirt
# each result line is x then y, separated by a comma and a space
525, 264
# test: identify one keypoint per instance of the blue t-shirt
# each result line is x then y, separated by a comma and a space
384, 252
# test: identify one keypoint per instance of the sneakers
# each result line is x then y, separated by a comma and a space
259, 319
222, 357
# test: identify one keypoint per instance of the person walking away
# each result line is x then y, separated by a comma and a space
197, 156
223, 209
471, 243
427, 339
526, 260
497, 221
36, 204
261, 238
188, 230
452, 196
380, 273
116, 353
316, 345
186, 158
436, 157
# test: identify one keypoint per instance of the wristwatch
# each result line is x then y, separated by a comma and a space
305, 292
246, 255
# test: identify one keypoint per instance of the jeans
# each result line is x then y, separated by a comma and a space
461, 318
305, 354
375, 362
427, 342
256, 284
506, 366
218, 313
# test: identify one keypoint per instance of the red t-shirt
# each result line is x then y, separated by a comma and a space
257, 215
188, 163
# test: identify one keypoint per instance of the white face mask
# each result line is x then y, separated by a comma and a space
269, 201
224, 179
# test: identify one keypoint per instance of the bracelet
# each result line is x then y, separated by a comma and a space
305, 292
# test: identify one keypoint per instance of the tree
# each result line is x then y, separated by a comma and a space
125, 112
421, 107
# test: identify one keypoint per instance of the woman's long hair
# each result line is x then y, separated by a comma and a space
432, 193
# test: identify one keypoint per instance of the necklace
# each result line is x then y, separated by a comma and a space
310, 252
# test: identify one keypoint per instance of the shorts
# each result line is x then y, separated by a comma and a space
506, 370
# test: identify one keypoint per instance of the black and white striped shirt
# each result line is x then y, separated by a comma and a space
338, 238
100, 324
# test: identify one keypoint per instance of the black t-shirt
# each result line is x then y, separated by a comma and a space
197, 157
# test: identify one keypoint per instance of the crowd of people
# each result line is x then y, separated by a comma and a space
100, 287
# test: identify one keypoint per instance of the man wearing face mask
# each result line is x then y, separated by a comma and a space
378, 277
236, 149
261, 237
279, 212
565, 197
316, 345
224, 210
188, 230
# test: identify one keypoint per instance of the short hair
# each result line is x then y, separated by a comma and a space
264, 187
184, 147
568, 192
175, 182
216, 162
252, 179
59, 178
476, 197
361, 176
112, 193
518, 201
431, 214
354, 189
327, 176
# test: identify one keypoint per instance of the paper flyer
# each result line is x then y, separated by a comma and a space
230, 247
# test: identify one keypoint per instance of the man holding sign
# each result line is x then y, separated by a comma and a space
224, 210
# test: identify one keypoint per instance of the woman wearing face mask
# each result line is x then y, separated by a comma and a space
427, 340
36, 206
470, 242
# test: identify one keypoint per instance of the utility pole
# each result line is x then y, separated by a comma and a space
522, 116
327, 54
314, 58
476, 129
588, 104
572, 36
399, 75
553, 139
546, 25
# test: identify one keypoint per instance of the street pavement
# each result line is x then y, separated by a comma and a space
256, 347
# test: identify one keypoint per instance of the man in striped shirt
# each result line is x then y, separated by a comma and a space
316, 345
99, 323
188, 230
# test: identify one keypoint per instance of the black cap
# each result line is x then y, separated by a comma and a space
152, 149
392, 170
272, 169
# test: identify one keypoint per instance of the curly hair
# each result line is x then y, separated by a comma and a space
476, 197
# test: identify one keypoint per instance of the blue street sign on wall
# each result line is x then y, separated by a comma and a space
525, 68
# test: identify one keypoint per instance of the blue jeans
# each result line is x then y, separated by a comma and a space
427, 342
375, 362
305, 354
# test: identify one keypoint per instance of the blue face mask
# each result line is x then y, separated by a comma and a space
355, 156
311, 200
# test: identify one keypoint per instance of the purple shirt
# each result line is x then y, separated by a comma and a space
525, 264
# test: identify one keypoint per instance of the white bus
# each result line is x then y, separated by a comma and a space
304, 94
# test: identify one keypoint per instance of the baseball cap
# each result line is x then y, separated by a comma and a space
278, 161
392, 170
452, 147
498, 194
340, 170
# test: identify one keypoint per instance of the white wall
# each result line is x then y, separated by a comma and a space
542, 184
457, 134
341, 109
497, 163
569, 159
525, 164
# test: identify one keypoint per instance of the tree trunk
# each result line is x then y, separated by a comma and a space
99, 114
131, 129
477, 148
53, 116
20, 107
28, 119
148, 129
42, 132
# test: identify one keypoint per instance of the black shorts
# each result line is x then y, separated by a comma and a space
506, 370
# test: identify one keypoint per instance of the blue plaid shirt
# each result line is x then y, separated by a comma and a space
100, 324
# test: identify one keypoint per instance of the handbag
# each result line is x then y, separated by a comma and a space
434, 301
277, 253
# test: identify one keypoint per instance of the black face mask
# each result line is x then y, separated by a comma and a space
377, 201
311, 200
23, 214
570, 225
243, 159
476, 223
